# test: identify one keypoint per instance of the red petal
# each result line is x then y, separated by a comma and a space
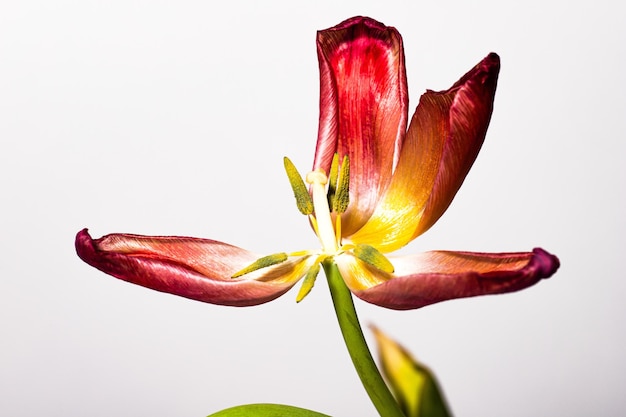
469, 104
199, 269
444, 138
363, 108
442, 142
431, 277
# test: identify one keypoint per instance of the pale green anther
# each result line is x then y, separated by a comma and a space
342, 196
307, 283
372, 256
263, 262
333, 174
300, 191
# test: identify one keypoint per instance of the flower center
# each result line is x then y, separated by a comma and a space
326, 196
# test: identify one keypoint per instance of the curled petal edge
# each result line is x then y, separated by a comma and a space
198, 269
431, 277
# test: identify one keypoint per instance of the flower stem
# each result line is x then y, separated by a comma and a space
362, 359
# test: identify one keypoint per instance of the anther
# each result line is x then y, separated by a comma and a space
372, 256
308, 282
303, 199
263, 262
342, 197
333, 175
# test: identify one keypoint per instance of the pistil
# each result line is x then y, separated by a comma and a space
325, 229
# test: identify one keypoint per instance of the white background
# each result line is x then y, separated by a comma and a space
159, 117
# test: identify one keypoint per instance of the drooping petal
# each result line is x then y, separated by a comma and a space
199, 269
442, 142
431, 277
363, 108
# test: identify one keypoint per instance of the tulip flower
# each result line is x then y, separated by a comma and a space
376, 185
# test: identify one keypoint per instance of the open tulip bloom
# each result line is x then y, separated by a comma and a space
375, 186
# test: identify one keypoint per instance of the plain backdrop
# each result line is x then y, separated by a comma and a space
172, 118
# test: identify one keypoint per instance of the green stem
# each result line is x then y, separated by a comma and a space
362, 359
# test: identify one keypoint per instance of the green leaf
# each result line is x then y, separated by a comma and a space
413, 384
267, 410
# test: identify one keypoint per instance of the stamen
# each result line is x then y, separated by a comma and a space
338, 228
263, 262
372, 256
303, 199
314, 224
308, 282
301, 253
342, 197
332, 180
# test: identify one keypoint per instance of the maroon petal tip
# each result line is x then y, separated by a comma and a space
485, 73
492, 59
545, 263
84, 245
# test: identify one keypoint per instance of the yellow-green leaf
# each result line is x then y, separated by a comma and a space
413, 384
